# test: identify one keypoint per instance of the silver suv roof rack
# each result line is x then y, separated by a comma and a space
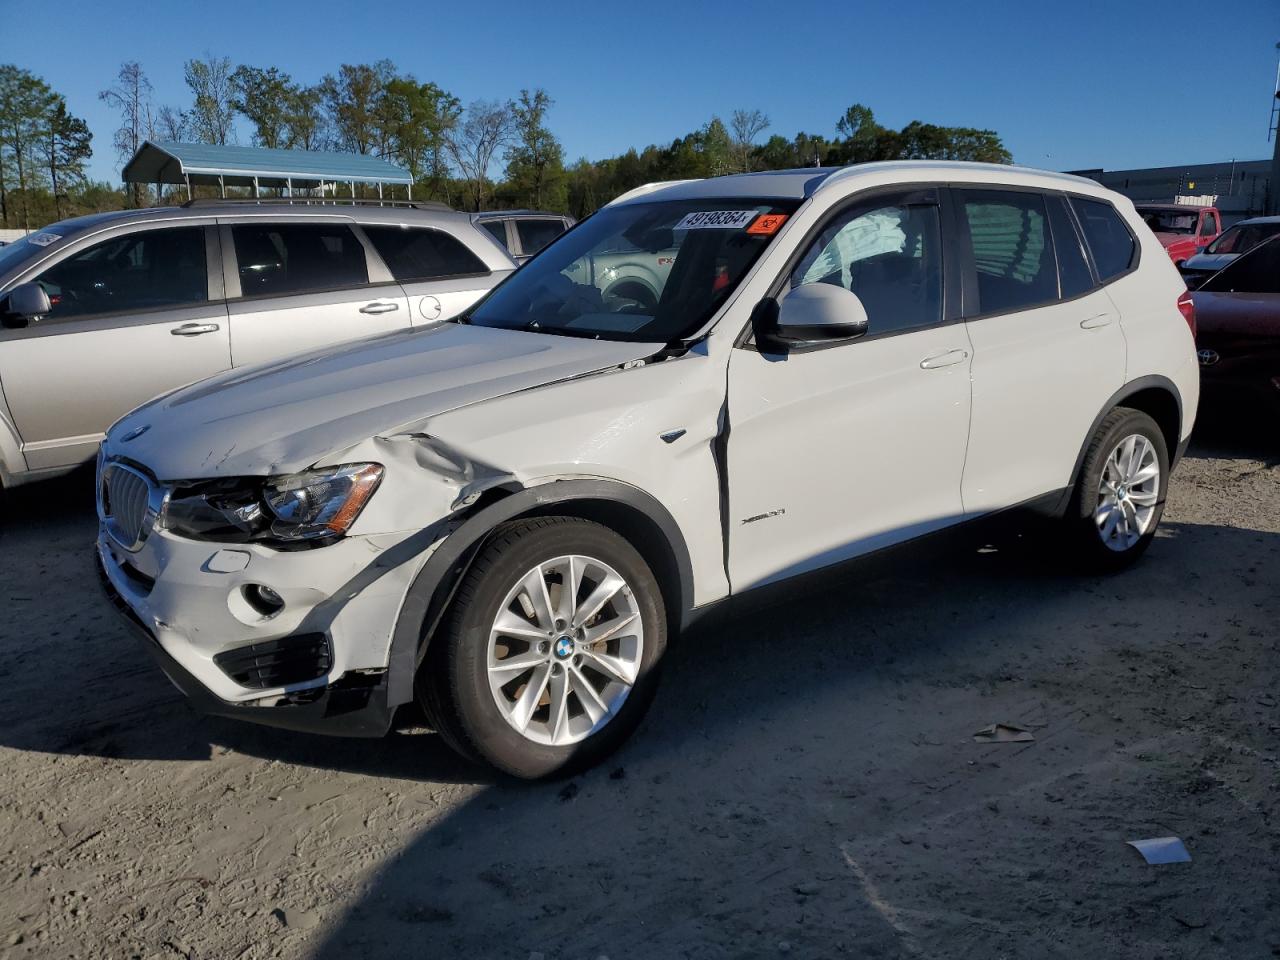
318, 201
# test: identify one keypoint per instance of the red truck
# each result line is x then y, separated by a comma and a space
1184, 229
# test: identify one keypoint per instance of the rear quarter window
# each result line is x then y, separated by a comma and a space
416, 253
1112, 245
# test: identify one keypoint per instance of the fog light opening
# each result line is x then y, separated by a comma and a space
264, 601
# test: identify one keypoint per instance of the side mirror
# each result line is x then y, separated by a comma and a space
27, 302
820, 311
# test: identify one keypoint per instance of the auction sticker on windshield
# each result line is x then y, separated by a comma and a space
717, 220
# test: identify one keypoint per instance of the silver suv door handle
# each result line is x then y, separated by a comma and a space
950, 358
379, 306
1093, 323
194, 329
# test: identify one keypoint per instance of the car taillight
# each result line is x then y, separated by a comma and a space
1187, 307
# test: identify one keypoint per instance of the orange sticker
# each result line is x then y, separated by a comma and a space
767, 224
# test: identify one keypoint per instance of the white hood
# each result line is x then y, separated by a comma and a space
288, 415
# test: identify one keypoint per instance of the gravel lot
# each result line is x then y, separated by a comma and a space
806, 784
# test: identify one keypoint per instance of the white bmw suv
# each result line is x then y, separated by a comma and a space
508, 516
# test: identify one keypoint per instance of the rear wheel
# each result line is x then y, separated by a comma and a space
549, 657
1120, 493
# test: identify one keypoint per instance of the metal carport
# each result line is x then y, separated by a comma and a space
258, 167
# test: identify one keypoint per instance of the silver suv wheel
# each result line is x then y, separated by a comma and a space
565, 649
1127, 493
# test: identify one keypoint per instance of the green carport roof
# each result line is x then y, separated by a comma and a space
207, 163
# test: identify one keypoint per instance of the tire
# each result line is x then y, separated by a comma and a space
477, 703
1103, 539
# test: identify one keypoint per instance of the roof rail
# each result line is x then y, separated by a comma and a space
319, 201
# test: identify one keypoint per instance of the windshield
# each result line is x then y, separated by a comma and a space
1243, 237
652, 272
1170, 221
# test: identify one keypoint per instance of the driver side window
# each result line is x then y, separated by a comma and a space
138, 271
889, 255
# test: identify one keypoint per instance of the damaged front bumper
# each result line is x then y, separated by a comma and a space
356, 708
343, 600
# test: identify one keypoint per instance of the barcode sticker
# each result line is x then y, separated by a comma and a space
717, 220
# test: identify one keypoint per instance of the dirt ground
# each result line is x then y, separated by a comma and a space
806, 784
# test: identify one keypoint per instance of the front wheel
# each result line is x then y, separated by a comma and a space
1120, 493
549, 657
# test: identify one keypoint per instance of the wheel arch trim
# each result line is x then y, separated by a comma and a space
432, 589
1130, 389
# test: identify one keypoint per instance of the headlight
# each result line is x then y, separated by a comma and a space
320, 503
302, 508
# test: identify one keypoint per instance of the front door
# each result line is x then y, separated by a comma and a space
838, 449
295, 285
132, 318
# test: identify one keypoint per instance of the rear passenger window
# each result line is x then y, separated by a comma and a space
890, 256
414, 253
1073, 264
536, 234
1012, 250
278, 258
1110, 241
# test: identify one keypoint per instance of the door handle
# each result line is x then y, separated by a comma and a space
194, 329
948, 359
379, 306
1094, 323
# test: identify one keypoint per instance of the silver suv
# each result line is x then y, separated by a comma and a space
101, 313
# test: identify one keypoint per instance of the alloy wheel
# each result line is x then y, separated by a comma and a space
565, 649
1128, 493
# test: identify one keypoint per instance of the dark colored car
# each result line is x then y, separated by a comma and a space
1232, 242
1238, 323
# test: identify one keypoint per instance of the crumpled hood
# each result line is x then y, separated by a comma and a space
288, 415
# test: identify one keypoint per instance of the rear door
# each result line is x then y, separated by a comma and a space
298, 284
135, 314
440, 275
1048, 350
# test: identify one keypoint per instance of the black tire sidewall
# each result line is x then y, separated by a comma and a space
493, 575
1121, 423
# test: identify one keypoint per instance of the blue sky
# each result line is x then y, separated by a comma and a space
1067, 85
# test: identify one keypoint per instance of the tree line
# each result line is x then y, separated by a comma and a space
486, 154
43, 150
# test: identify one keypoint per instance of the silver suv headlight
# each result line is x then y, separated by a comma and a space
309, 508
